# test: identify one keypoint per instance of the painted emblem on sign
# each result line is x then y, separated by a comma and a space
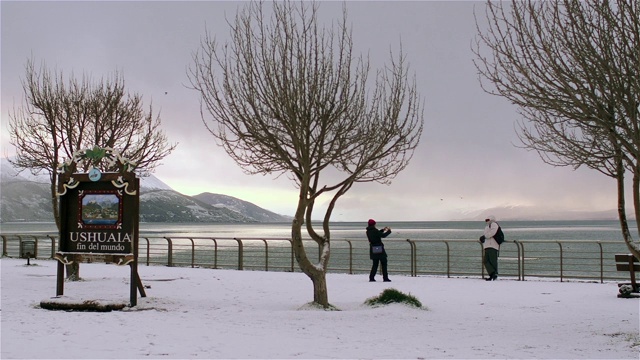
94, 174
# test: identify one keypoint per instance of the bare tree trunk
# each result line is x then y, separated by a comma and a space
54, 204
320, 295
635, 250
73, 269
317, 276
636, 196
622, 213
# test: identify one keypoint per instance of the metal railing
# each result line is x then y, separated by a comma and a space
519, 259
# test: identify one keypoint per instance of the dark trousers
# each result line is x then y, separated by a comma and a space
374, 268
491, 261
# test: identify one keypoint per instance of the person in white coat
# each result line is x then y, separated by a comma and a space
491, 247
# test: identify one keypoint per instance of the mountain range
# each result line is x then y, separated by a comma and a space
26, 197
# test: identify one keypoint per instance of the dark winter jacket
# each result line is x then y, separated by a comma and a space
375, 238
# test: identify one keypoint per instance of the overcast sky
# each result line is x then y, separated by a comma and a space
466, 161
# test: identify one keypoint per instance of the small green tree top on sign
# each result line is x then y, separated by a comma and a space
107, 159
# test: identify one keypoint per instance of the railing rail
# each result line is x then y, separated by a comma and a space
519, 259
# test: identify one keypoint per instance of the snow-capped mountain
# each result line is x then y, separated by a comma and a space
27, 197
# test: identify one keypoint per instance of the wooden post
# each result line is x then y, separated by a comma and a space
60, 280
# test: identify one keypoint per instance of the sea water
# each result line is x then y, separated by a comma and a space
595, 230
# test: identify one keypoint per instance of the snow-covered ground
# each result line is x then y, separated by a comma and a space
203, 313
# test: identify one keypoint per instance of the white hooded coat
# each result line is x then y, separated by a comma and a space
489, 232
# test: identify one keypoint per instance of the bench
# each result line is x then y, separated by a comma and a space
628, 262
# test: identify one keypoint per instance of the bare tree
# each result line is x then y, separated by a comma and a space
572, 68
287, 96
58, 118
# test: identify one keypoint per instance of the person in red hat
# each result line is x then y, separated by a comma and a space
376, 250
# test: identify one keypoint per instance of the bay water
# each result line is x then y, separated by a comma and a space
591, 230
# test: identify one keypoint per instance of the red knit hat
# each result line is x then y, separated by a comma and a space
371, 222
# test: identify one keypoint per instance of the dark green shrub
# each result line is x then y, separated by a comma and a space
390, 295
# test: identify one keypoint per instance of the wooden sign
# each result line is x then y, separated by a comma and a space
99, 213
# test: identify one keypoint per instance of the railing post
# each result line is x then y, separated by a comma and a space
350, 256
561, 262
54, 246
4, 245
448, 259
35, 238
19, 245
193, 253
523, 260
601, 263
519, 259
292, 255
148, 250
240, 254
414, 258
169, 252
266, 255
215, 253
481, 259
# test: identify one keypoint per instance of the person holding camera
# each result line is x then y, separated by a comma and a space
376, 250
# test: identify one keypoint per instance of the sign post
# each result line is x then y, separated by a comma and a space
99, 214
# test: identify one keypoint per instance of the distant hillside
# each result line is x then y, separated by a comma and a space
26, 197
171, 206
245, 208
25, 201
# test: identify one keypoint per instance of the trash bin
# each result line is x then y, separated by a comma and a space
28, 249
